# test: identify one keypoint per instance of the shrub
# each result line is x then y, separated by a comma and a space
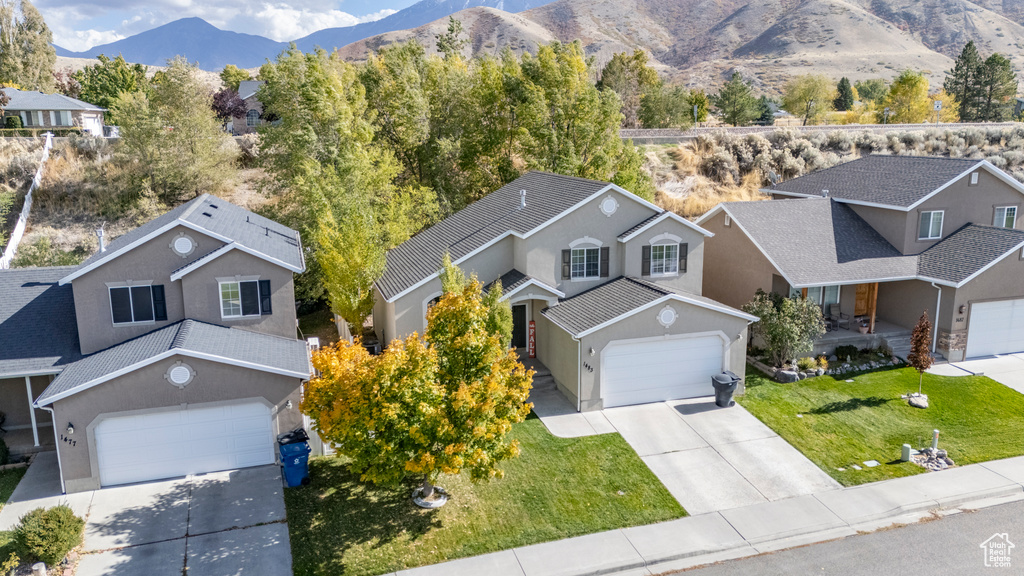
48, 534
12, 122
5, 453
823, 362
805, 364
844, 352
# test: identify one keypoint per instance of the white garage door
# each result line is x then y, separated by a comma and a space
996, 328
637, 372
190, 440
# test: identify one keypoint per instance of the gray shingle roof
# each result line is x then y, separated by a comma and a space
818, 241
494, 215
611, 300
897, 181
38, 331
967, 251
509, 281
221, 218
248, 88
25, 100
233, 344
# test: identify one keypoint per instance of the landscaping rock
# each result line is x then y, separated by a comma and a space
786, 376
820, 371
833, 358
801, 375
918, 400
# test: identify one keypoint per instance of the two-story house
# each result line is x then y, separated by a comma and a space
882, 239
605, 288
253, 119
170, 351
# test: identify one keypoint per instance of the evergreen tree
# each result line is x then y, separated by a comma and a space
451, 43
27, 55
629, 76
872, 90
962, 82
766, 116
664, 106
736, 102
844, 95
998, 86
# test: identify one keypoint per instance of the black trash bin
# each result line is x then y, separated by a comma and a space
725, 386
294, 448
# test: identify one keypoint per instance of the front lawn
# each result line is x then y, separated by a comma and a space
556, 489
838, 424
8, 482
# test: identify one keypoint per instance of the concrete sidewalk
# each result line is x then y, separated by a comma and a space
754, 529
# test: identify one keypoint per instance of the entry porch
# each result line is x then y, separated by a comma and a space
25, 430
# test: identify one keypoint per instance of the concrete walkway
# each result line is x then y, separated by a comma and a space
753, 529
217, 524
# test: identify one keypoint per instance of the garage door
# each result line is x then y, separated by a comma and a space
637, 372
996, 328
190, 440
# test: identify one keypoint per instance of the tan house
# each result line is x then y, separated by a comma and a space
171, 351
253, 118
39, 110
605, 288
879, 240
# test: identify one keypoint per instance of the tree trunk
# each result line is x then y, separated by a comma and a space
427, 490
920, 382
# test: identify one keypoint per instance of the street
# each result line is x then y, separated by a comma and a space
951, 545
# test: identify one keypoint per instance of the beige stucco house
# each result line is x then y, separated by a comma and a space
171, 351
885, 238
253, 119
39, 110
605, 288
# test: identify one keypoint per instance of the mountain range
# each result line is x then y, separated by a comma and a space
213, 48
695, 41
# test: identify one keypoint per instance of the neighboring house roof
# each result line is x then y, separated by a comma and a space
969, 251
25, 100
612, 301
818, 241
248, 88
896, 182
220, 219
38, 330
515, 281
190, 338
484, 222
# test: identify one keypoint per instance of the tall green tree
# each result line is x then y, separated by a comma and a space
844, 95
27, 55
997, 89
736, 102
629, 76
666, 106
872, 90
809, 97
232, 76
451, 43
109, 79
963, 82
908, 100
700, 104
765, 114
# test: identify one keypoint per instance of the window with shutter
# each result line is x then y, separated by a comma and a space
159, 303
240, 299
265, 297
585, 263
135, 304
605, 251
121, 305
684, 250
645, 260
566, 264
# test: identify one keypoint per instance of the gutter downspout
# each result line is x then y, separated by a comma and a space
579, 374
56, 440
938, 302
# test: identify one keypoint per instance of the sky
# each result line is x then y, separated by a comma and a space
81, 24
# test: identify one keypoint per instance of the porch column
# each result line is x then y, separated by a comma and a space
873, 306
31, 411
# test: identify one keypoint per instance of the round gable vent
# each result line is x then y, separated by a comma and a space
667, 316
180, 374
183, 245
608, 206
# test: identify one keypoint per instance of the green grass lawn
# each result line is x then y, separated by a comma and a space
8, 482
556, 489
848, 423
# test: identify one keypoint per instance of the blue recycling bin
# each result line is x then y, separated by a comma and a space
294, 449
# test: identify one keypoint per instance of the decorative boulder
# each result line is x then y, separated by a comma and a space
786, 376
918, 401
820, 371
833, 358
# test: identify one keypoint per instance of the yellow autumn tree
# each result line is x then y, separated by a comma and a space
907, 100
442, 404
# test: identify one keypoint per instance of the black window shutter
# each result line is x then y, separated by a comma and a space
265, 297
604, 261
683, 249
250, 298
645, 260
121, 305
159, 303
566, 264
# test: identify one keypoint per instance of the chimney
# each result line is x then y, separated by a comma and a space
824, 193
99, 236
522, 199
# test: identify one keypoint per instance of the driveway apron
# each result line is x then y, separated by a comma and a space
712, 458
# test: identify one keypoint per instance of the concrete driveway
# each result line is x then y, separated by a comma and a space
219, 524
1007, 369
713, 458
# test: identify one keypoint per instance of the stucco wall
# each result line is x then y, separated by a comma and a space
903, 302
201, 293
558, 351
154, 261
734, 268
383, 319
644, 324
147, 389
1003, 281
690, 281
14, 401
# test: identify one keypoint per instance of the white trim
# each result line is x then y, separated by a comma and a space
202, 261
989, 265
241, 315
533, 282
56, 442
584, 277
614, 208
722, 208
131, 305
667, 298
995, 211
32, 412
14, 375
586, 240
660, 238
426, 306
931, 222
666, 214
162, 356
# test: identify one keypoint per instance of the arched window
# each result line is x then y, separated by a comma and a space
252, 118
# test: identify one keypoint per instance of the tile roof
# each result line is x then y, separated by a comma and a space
490, 218
38, 330
897, 181
231, 344
220, 218
640, 225
509, 281
611, 300
967, 251
26, 100
817, 241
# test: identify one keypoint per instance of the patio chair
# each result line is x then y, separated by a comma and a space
837, 317
829, 324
